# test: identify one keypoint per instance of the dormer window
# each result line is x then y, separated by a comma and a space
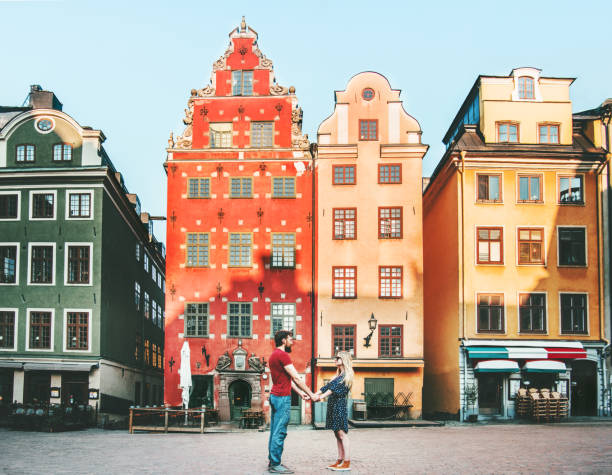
525, 88
242, 83
507, 132
548, 133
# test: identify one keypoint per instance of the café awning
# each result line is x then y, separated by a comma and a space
497, 366
50, 366
544, 366
526, 351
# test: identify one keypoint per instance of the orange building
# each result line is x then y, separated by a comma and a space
513, 253
239, 235
369, 264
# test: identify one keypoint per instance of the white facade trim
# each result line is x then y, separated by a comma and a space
91, 204
52, 330
17, 259
67, 255
65, 330
13, 192
15, 326
54, 268
31, 205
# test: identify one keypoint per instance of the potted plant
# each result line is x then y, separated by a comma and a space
471, 395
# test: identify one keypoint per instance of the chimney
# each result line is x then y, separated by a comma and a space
40, 99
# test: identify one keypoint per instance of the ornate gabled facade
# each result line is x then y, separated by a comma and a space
239, 233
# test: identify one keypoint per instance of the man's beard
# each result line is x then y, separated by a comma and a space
287, 349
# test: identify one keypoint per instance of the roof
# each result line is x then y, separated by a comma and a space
7, 113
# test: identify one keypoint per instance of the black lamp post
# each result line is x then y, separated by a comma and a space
372, 324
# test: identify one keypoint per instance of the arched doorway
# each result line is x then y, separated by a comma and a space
240, 398
584, 388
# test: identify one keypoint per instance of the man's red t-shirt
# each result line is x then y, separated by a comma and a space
281, 381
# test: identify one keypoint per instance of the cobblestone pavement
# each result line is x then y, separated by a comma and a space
528, 448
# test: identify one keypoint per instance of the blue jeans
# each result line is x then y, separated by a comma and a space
281, 409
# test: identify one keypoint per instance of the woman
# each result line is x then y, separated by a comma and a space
337, 417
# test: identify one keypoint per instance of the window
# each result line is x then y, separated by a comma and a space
283, 187
154, 312
344, 174
7, 329
368, 129
25, 153
489, 188
507, 132
153, 273
239, 320
198, 188
343, 339
389, 223
221, 135
283, 251
344, 282
79, 205
490, 313
531, 245
242, 83
196, 319
40, 331
572, 246
283, 317
490, 245
530, 188
390, 282
571, 190
138, 252
147, 352
389, 174
8, 206
43, 205
79, 261
77, 330
574, 313
262, 134
525, 87
8, 264
241, 187
390, 341
548, 133
197, 249
345, 223
137, 295
62, 152
146, 261
154, 355
137, 347
147, 305
240, 249
368, 93
41, 264
532, 313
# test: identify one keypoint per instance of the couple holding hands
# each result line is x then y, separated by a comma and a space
284, 378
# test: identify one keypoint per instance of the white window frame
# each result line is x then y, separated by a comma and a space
16, 326
546, 309
31, 204
91, 204
66, 254
586, 247
17, 255
52, 330
586, 324
272, 316
32, 244
65, 330
18, 193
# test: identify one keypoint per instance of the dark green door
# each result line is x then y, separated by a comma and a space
201, 391
380, 387
240, 398
295, 416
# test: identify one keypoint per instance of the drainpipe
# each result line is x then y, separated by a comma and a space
462, 338
313, 318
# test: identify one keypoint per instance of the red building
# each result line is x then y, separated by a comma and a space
239, 237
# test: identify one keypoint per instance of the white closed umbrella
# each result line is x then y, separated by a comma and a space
185, 373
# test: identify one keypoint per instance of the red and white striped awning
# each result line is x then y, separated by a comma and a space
482, 349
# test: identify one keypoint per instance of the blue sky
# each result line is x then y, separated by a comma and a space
127, 67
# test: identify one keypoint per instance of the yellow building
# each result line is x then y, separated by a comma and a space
513, 253
369, 263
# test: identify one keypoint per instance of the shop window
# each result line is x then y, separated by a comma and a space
532, 313
574, 313
490, 313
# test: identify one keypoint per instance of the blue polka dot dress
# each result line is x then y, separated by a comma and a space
337, 415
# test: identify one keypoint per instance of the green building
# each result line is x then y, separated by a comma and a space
81, 273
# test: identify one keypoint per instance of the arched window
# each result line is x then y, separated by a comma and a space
525, 87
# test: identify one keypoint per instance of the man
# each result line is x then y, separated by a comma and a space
284, 377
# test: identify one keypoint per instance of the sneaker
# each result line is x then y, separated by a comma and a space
280, 468
344, 466
335, 464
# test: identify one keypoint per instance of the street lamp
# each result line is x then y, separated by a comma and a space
372, 324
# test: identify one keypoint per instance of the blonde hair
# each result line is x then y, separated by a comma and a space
347, 364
